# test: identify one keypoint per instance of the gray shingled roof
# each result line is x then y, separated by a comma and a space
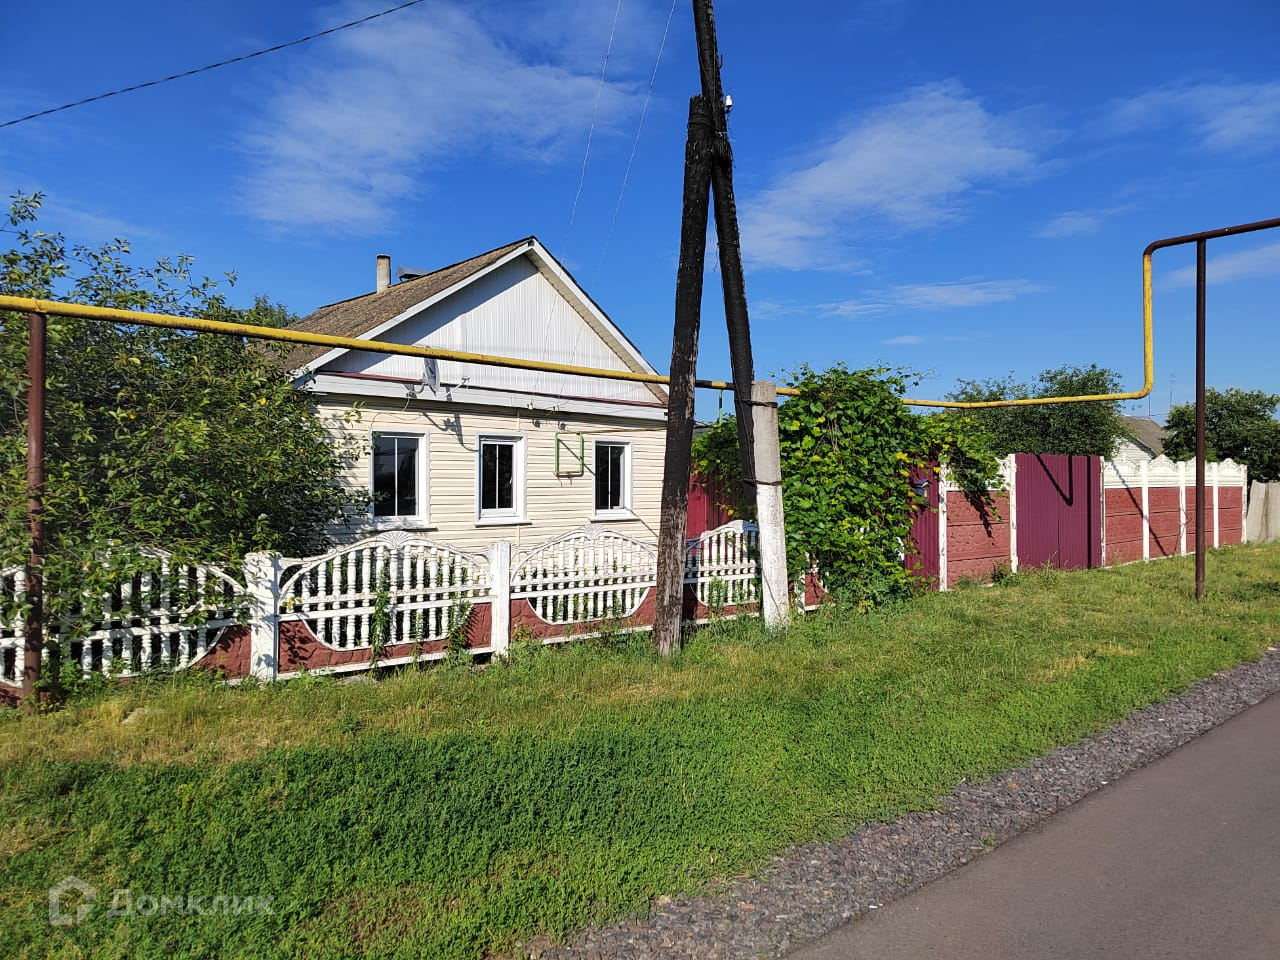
359, 315
1146, 432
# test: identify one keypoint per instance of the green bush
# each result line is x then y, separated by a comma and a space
849, 448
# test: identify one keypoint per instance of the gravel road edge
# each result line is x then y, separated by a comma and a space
810, 890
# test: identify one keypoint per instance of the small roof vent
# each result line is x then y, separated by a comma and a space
408, 273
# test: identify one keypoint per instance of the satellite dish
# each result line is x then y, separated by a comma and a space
430, 379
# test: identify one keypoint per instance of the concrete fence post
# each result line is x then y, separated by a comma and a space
1101, 478
262, 579
1182, 506
500, 597
1144, 472
944, 486
1217, 472
1249, 489
775, 597
1010, 469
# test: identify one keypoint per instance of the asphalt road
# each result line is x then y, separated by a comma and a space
1180, 859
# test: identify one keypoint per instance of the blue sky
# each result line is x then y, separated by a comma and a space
962, 189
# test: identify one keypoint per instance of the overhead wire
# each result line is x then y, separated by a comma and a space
582, 177
595, 112
635, 144
212, 66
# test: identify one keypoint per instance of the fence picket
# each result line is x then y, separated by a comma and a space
571, 583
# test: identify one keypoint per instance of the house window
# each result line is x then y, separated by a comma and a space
500, 483
398, 476
613, 477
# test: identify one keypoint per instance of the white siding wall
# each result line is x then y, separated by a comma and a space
513, 312
554, 505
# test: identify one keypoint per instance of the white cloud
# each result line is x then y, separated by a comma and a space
1073, 223
882, 15
935, 296
389, 104
1261, 261
904, 166
908, 339
93, 226
769, 309
1227, 117
1078, 223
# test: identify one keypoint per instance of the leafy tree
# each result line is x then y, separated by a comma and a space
1087, 429
1239, 424
197, 444
849, 447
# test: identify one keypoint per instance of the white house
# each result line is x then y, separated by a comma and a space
470, 453
1145, 441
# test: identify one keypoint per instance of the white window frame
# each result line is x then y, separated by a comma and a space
422, 518
624, 510
516, 512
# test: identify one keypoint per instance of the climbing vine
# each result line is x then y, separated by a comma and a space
852, 455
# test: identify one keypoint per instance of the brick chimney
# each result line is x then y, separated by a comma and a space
384, 271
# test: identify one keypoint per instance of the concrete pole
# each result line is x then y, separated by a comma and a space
775, 597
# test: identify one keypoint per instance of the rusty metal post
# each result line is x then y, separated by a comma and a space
33, 642
1201, 244
1200, 240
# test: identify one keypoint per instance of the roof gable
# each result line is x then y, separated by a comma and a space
404, 313
359, 316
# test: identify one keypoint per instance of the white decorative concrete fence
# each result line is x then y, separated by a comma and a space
410, 582
1150, 507
389, 599
1102, 512
162, 616
595, 574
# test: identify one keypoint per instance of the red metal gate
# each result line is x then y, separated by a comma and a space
1059, 511
707, 510
922, 551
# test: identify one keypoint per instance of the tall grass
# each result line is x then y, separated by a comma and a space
446, 813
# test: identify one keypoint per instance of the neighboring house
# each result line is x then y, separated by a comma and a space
471, 453
1145, 440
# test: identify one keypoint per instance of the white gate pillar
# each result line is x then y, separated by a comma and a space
500, 597
262, 579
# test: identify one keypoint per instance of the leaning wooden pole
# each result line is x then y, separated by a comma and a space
669, 589
33, 641
727, 238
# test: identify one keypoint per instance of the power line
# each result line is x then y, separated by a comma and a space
635, 144
212, 66
604, 69
582, 177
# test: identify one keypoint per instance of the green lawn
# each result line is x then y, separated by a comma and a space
445, 814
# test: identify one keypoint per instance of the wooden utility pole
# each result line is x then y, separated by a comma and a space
669, 588
709, 165
730, 251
